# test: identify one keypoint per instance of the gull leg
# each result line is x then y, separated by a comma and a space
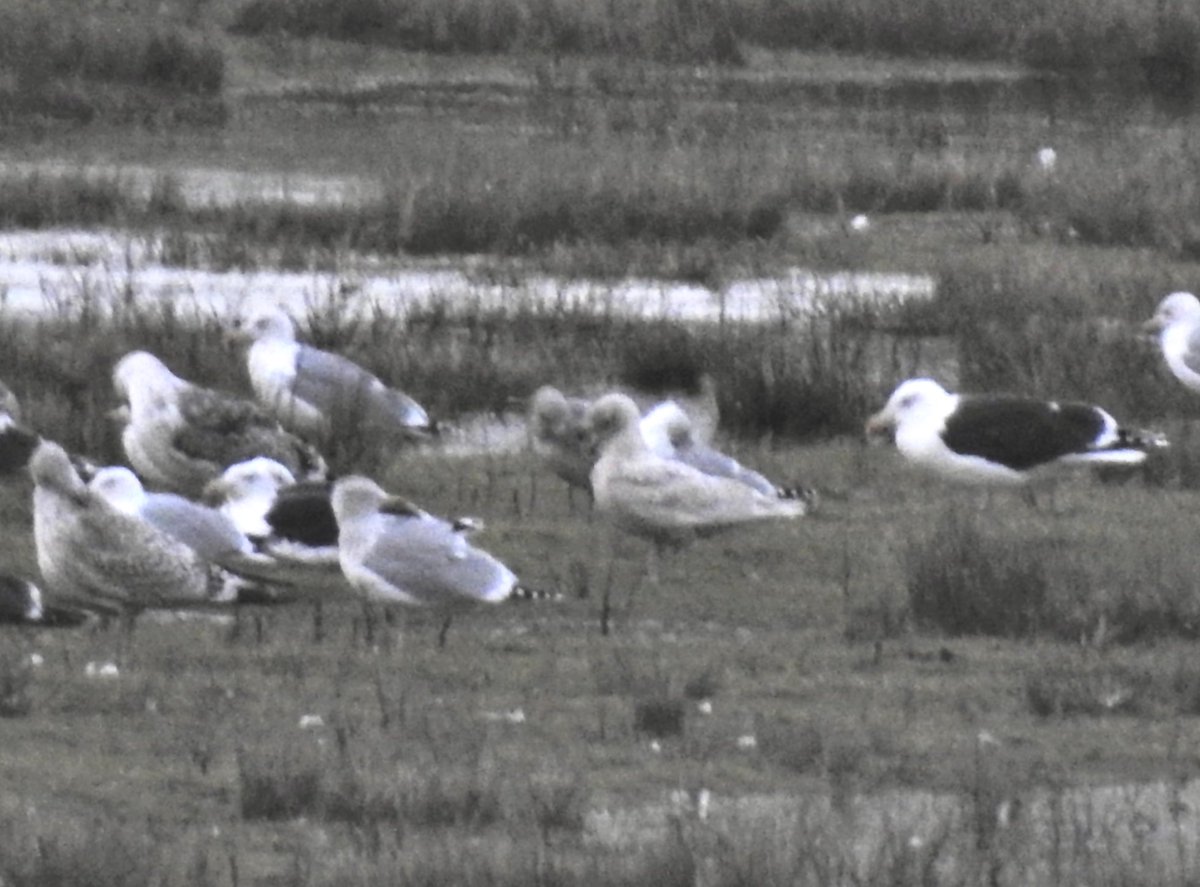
442, 632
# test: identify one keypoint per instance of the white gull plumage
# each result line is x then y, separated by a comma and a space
1177, 323
180, 436
310, 390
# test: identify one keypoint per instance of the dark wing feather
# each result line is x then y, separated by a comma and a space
1021, 433
17, 444
302, 513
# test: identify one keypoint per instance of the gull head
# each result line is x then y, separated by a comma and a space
259, 477
141, 371
51, 469
613, 415
120, 488
1179, 307
911, 400
356, 496
260, 322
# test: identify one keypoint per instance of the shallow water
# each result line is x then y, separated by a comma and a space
43, 272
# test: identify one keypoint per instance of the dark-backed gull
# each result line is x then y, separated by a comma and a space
1001, 439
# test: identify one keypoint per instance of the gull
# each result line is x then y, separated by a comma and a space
312, 391
662, 499
560, 437
206, 531
289, 520
393, 552
1177, 323
670, 433
94, 556
180, 436
1002, 440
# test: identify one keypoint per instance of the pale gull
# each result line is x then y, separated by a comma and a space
563, 440
395, 553
663, 499
315, 392
180, 436
94, 556
1177, 323
1002, 440
670, 432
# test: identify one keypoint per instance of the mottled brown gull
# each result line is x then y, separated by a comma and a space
560, 437
180, 436
205, 530
311, 391
92, 555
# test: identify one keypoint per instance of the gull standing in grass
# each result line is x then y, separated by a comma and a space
662, 499
93, 556
395, 553
181, 436
560, 437
312, 391
1002, 440
1177, 323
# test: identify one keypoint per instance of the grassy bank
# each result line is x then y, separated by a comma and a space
1159, 45
802, 665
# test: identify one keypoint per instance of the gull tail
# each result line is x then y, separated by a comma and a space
525, 593
809, 496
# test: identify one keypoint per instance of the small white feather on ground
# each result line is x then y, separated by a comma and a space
315, 392
180, 436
